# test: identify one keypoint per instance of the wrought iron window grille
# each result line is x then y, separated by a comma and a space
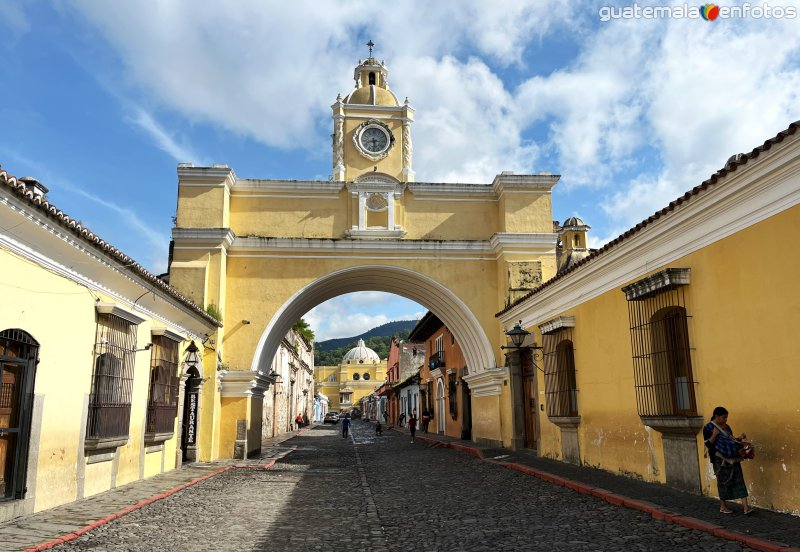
561, 390
661, 351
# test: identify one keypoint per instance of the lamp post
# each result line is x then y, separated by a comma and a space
191, 403
517, 336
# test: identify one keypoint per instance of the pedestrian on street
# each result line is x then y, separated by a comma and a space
426, 420
402, 421
730, 479
412, 425
345, 425
299, 421
379, 429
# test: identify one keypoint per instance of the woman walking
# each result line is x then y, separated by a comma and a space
730, 479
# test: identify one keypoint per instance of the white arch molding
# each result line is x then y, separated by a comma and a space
424, 290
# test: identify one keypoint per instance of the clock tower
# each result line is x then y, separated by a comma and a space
371, 129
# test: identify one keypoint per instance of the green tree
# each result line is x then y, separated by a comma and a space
302, 327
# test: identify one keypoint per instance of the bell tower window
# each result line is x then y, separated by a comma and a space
372, 78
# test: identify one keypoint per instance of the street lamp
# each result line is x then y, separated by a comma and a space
517, 334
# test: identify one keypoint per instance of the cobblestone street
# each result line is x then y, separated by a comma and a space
367, 493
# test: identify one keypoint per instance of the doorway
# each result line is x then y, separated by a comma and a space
529, 405
18, 356
466, 411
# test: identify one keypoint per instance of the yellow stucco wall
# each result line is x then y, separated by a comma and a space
743, 315
63, 384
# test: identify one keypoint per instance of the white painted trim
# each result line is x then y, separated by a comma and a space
24, 251
456, 199
225, 236
363, 257
451, 310
488, 383
277, 186
277, 196
169, 334
455, 188
115, 310
243, 383
754, 192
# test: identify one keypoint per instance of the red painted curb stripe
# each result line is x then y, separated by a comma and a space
654, 510
111, 517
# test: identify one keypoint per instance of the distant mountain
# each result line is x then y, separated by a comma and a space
384, 330
331, 351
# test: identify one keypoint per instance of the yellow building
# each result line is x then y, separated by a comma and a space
695, 307
268, 251
100, 360
356, 377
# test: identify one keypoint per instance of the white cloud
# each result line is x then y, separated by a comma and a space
355, 313
15, 22
164, 141
642, 112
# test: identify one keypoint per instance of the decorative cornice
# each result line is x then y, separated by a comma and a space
311, 187
423, 189
217, 176
487, 383
544, 242
356, 233
243, 383
557, 324
115, 310
437, 247
655, 283
510, 182
169, 334
223, 237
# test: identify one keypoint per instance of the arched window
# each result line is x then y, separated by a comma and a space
162, 403
561, 391
372, 78
660, 347
671, 362
112, 380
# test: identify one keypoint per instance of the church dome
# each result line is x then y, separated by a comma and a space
361, 354
372, 95
574, 221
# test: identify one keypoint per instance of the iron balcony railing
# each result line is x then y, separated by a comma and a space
437, 360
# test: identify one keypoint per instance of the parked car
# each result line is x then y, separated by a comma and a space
331, 418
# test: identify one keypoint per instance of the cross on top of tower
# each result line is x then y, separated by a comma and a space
370, 44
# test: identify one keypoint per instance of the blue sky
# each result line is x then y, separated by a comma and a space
101, 101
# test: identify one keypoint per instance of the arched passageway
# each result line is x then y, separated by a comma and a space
424, 290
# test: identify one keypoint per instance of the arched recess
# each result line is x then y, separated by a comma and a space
409, 284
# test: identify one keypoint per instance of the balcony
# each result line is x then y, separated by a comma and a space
436, 360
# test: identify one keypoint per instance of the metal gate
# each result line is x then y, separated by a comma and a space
529, 405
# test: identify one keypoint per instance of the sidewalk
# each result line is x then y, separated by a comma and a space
45, 529
763, 530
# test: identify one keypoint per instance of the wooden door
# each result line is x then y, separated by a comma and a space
10, 391
529, 405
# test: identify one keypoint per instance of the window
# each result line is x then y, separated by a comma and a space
451, 395
332, 377
112, 378
659, 325
366, 376
162, 402
372, 78
561, 391
356, 377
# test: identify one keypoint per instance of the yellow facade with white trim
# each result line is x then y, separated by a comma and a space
735, 235
54, 284
267, 251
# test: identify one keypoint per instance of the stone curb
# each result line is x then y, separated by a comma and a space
654, 510
111, 517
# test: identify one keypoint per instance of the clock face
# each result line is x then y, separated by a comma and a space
374, 139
